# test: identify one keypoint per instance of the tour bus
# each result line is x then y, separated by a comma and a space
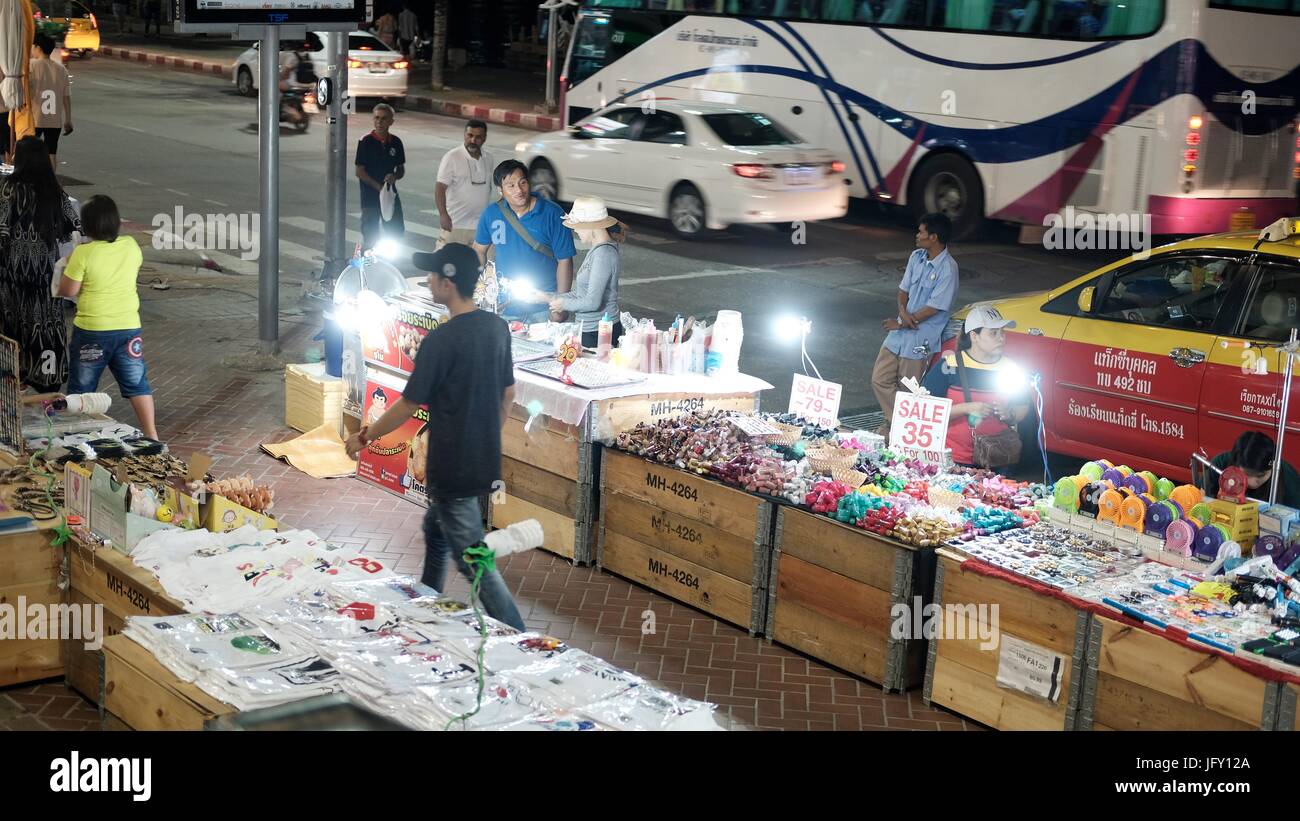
1181, 113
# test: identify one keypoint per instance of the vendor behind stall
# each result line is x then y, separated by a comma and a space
1254, 453
595, 289
988, 392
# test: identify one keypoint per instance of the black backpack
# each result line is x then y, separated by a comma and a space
306, 73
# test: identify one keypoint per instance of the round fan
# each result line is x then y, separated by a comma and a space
1090, 498
1232, 484
1186, 495
1180, 535
1138, 483
1160, 515
1092, 471
1202, 513
1117, 474
1208, 541
1133, 511
1270, 544
1164, 487
1108, 505
1065, 493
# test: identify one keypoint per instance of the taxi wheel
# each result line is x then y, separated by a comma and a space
949, 185
246, 82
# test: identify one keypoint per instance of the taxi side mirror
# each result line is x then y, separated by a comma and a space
1085, 299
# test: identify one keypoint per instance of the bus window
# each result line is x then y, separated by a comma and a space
1268, 6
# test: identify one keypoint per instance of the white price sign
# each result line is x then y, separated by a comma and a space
919, 426
1030, 668
816, 400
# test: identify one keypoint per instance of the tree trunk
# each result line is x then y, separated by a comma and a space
439, 42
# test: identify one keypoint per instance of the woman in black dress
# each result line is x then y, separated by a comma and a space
35, 216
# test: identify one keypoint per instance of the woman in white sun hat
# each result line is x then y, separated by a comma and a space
595, 286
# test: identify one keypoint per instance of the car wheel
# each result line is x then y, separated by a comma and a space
949, 185
543, 179
686, 212
245, 84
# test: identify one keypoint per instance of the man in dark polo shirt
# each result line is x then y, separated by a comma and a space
381, 161
464, 375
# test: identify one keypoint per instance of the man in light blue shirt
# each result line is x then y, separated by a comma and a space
925, 300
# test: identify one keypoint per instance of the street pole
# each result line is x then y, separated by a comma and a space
552, 41
336, 255
268, 263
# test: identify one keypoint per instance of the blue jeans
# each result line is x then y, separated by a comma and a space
450, 526
122, 352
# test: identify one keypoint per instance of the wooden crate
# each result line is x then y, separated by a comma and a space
548, 476
1288, 717
689, 538
144, 695
1140, 680
110, 578
29, 571
832, 592
83, 670
961, 675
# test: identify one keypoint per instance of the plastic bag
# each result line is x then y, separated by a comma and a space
387, 201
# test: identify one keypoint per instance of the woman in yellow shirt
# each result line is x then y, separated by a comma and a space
106, 332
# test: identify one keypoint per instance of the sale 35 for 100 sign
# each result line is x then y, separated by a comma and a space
919, 426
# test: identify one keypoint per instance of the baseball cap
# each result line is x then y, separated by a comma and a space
455, 261
986, 316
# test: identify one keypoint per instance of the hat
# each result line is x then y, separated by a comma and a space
588, 212
454, 261
986, 316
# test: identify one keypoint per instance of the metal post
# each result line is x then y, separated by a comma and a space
1278, 461
336, 255
552, 40
268, 264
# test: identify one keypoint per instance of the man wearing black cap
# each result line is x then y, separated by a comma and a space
464, 374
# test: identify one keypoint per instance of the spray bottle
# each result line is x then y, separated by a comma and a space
604, 338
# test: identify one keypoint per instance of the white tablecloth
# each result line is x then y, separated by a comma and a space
569, 404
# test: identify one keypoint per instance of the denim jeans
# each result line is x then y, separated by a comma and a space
450, 526
122, 352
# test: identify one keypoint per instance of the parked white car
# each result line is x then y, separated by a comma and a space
700, 165
374, 68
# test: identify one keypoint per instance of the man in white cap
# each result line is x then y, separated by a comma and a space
925, 298
985, 402
465, 376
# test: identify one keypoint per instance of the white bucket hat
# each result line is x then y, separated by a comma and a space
986, 316
587, 213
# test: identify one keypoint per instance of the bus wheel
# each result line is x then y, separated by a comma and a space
543, 180
686, 211
949, 185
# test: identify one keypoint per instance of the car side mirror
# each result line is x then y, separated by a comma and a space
1085, 299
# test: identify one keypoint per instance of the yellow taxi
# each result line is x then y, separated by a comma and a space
77, 30
1166, 353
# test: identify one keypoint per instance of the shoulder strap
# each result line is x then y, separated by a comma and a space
961, 375
509, 214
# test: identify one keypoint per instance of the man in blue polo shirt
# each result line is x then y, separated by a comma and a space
530, 239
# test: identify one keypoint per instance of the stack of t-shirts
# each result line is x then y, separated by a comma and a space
395, 661
646, 708
341, 610
233, 660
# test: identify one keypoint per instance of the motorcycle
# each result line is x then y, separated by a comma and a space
296, 109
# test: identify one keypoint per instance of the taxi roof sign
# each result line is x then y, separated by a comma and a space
1283, 229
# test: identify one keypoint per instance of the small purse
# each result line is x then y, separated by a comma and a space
998, 450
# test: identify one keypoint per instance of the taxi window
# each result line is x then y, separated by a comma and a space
1184, 293
1275, 307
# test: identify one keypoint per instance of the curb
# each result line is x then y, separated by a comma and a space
428, 105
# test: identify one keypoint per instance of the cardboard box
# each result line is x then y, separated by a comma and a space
395, 343
311, 397
220, 515
187, 506
109, 518
397, 462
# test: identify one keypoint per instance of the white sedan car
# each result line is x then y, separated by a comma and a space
374, 68
700, 165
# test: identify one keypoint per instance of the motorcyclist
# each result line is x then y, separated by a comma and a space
297, 77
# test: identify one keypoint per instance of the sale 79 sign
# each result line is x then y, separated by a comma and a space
816, 400
919, 426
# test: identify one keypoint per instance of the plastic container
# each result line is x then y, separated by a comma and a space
724, 350
699, 350
604, 338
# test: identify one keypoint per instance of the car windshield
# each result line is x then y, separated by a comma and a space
746, 129
364, 42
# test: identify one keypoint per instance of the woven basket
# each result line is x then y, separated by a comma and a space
788, 436
939, 497
853, 478
825, 459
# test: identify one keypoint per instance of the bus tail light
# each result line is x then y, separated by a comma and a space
752, 171
1192, 155
834, 167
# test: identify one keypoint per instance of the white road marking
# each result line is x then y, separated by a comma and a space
717, 272
318, 227
138, 182
177, 193
214, 202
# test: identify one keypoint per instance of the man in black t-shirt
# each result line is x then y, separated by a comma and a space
465, 376
381, 161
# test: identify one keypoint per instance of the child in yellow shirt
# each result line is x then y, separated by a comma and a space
106, 332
